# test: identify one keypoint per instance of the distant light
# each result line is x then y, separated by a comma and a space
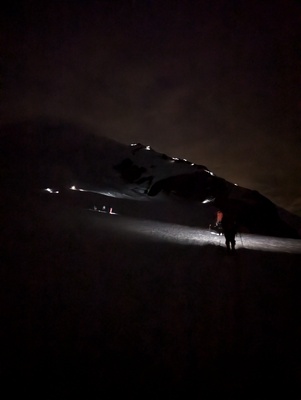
175, 158
147, 148
184, 159
209, 172
79, 189
49, 190
206, 201
235, 184
133, 144
192, 164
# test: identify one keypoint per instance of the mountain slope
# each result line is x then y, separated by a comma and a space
38, 155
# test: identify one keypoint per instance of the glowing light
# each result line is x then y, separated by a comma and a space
192, 164
235, 184
175, 158
147, 148
49, 190
206, 201
133, 144
209, 172
79, 189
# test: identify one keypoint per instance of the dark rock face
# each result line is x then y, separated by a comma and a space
197, 185
261, 217
131, 172
254, 213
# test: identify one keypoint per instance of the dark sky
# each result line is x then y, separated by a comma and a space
215, 82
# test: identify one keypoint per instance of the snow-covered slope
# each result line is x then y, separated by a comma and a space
40, 155
150, 173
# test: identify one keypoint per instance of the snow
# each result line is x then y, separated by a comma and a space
163, 166
101, 293
95, 302
185, 235
44, 155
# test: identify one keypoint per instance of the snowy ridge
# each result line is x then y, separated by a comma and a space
149, 172
39, 156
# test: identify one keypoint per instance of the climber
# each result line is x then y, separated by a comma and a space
230, 230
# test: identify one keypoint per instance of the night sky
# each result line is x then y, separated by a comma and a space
215, 82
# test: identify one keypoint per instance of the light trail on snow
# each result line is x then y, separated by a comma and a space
187, 235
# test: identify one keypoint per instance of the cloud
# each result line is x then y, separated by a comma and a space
216, 85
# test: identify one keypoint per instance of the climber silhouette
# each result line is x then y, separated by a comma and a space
230, 230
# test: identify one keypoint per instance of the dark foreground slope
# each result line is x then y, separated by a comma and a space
88, 306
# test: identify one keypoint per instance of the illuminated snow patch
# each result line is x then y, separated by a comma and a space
269, 243
109, 194
156, 230
106, 193
168, 232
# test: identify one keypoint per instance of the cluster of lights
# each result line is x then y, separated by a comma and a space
49, 190
104, 209
75, 188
